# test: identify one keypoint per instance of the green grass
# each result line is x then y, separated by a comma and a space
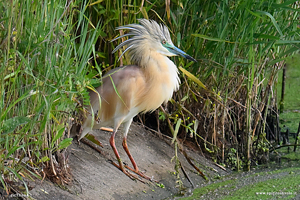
266, 189
42, 72
294, 156
291, 113
291, 119
292, 97
283, 180
220, 186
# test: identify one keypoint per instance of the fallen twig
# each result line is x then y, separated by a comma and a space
220, 166
286, 145
187, 176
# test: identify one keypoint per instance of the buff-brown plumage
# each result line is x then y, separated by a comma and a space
141, 87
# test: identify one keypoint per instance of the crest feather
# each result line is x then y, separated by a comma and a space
142, 36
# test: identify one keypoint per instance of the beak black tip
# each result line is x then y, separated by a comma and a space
191, 58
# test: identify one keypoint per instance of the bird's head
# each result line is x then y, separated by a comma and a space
149, 36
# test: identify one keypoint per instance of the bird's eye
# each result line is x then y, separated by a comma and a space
163, 42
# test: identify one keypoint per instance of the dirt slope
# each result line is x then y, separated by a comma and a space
96, 178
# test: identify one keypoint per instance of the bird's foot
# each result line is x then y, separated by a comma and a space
141, 174
130, 175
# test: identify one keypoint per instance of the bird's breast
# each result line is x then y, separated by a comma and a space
162, 80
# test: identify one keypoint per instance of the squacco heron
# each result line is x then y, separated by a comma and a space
141, 87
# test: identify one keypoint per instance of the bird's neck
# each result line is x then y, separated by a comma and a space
161, 73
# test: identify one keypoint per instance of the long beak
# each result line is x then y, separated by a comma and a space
178, 51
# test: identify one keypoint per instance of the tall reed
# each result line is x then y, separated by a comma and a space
46, 51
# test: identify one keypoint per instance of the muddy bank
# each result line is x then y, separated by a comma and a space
94, 177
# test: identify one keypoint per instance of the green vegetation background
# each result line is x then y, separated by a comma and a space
53, 51
291, 113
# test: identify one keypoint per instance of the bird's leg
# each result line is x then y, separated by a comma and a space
120, 166
136, 169
113, 146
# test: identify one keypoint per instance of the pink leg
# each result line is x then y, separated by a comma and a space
136, 169
120, 166
113, 146
129, 154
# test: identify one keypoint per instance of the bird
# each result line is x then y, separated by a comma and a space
143, 86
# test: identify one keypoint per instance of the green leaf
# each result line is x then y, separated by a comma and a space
184, 98
265, 36
95, 82
93, 139
15, 147
18, 176
178, 39
176, 130
191, 76
285, 3
11, 124
115, 88
44, 159
24, 96
161, 185
272, 20
287, 42
58, 135
289, 51
144, 12
65, 143
4, 185
196, 125
211, 38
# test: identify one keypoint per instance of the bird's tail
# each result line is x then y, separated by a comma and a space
85, 128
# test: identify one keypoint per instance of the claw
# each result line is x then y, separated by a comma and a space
131, 176
141, 174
